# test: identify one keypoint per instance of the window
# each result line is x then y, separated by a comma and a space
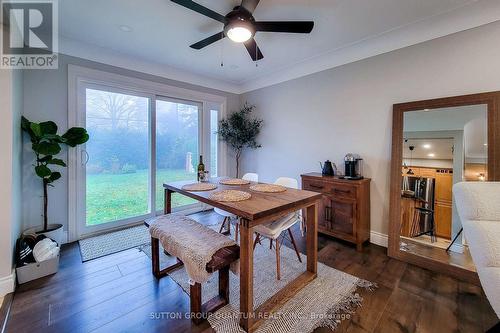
177, 146
117, 167
214, 142
139, 140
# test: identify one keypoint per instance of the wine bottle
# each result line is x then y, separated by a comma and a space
201, 169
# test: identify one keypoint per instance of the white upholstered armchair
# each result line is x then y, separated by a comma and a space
478, 205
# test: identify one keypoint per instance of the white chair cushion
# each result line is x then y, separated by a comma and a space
274, 229
223, 212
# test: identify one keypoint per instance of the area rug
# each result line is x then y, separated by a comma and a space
102, 245
324, 302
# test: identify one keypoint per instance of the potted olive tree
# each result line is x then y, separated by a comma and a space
46, 144
240, 131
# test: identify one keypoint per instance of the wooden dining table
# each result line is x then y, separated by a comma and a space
261, 208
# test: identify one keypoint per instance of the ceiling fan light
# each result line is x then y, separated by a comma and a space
239, 34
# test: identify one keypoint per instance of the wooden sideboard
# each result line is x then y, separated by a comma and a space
344, 210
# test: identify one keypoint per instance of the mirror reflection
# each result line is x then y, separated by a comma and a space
441, 147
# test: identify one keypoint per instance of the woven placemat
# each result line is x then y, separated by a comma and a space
198, 187
269, 188
234, 181
230, 196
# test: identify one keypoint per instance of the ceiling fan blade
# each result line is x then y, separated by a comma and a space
253, 49
304, 27
201, 9
209, 40
250, 5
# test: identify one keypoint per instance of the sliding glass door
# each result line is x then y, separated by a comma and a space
117, 158
177, 146
137, 143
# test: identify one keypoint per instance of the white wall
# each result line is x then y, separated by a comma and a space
10, 108
46, 98
17, 110
349, 108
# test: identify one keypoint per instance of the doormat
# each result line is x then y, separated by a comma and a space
102, 245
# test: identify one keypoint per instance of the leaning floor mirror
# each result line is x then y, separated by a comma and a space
436, 144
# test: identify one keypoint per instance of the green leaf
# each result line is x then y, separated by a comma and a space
48, 127
37, 130
76, 136
53, 137
25, 124
54, 176
45, 159
56, 161
43, 171
46, 148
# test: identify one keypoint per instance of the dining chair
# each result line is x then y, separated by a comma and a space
275, 229
253, 177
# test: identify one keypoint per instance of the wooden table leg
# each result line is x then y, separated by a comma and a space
246, 276
155, 257
167, 208
312, 238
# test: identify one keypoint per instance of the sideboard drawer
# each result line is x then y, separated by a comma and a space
342, 190
316, 186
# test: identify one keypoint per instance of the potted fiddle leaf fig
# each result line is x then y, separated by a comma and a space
46, 145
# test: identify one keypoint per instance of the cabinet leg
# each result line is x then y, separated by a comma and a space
359, 247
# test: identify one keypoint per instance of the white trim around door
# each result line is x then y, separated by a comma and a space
79, 78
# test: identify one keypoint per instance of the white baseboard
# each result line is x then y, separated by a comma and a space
65, 237
378, 238
8, 284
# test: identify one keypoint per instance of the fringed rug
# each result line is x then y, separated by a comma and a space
324, 302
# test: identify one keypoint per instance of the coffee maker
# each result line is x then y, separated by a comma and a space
353, 167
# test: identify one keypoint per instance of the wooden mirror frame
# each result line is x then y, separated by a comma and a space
492, 100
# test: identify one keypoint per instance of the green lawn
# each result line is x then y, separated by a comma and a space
113, 197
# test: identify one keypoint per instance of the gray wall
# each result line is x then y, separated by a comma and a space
17, 111
10, 173
349, 108
46, 98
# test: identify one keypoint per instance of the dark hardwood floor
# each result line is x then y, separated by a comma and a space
118, 293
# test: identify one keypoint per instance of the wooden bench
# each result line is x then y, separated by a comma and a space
221, 260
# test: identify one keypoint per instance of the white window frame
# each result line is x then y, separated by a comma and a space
80, 77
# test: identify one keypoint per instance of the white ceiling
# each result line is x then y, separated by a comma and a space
472, 120
440, 148
443, 119
162, 32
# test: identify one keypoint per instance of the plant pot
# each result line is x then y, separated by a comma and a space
55, 232
37, 270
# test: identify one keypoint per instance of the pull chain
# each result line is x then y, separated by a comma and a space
222, 50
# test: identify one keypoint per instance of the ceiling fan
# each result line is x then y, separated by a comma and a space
240, 25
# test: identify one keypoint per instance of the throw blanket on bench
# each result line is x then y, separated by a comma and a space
191, 242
